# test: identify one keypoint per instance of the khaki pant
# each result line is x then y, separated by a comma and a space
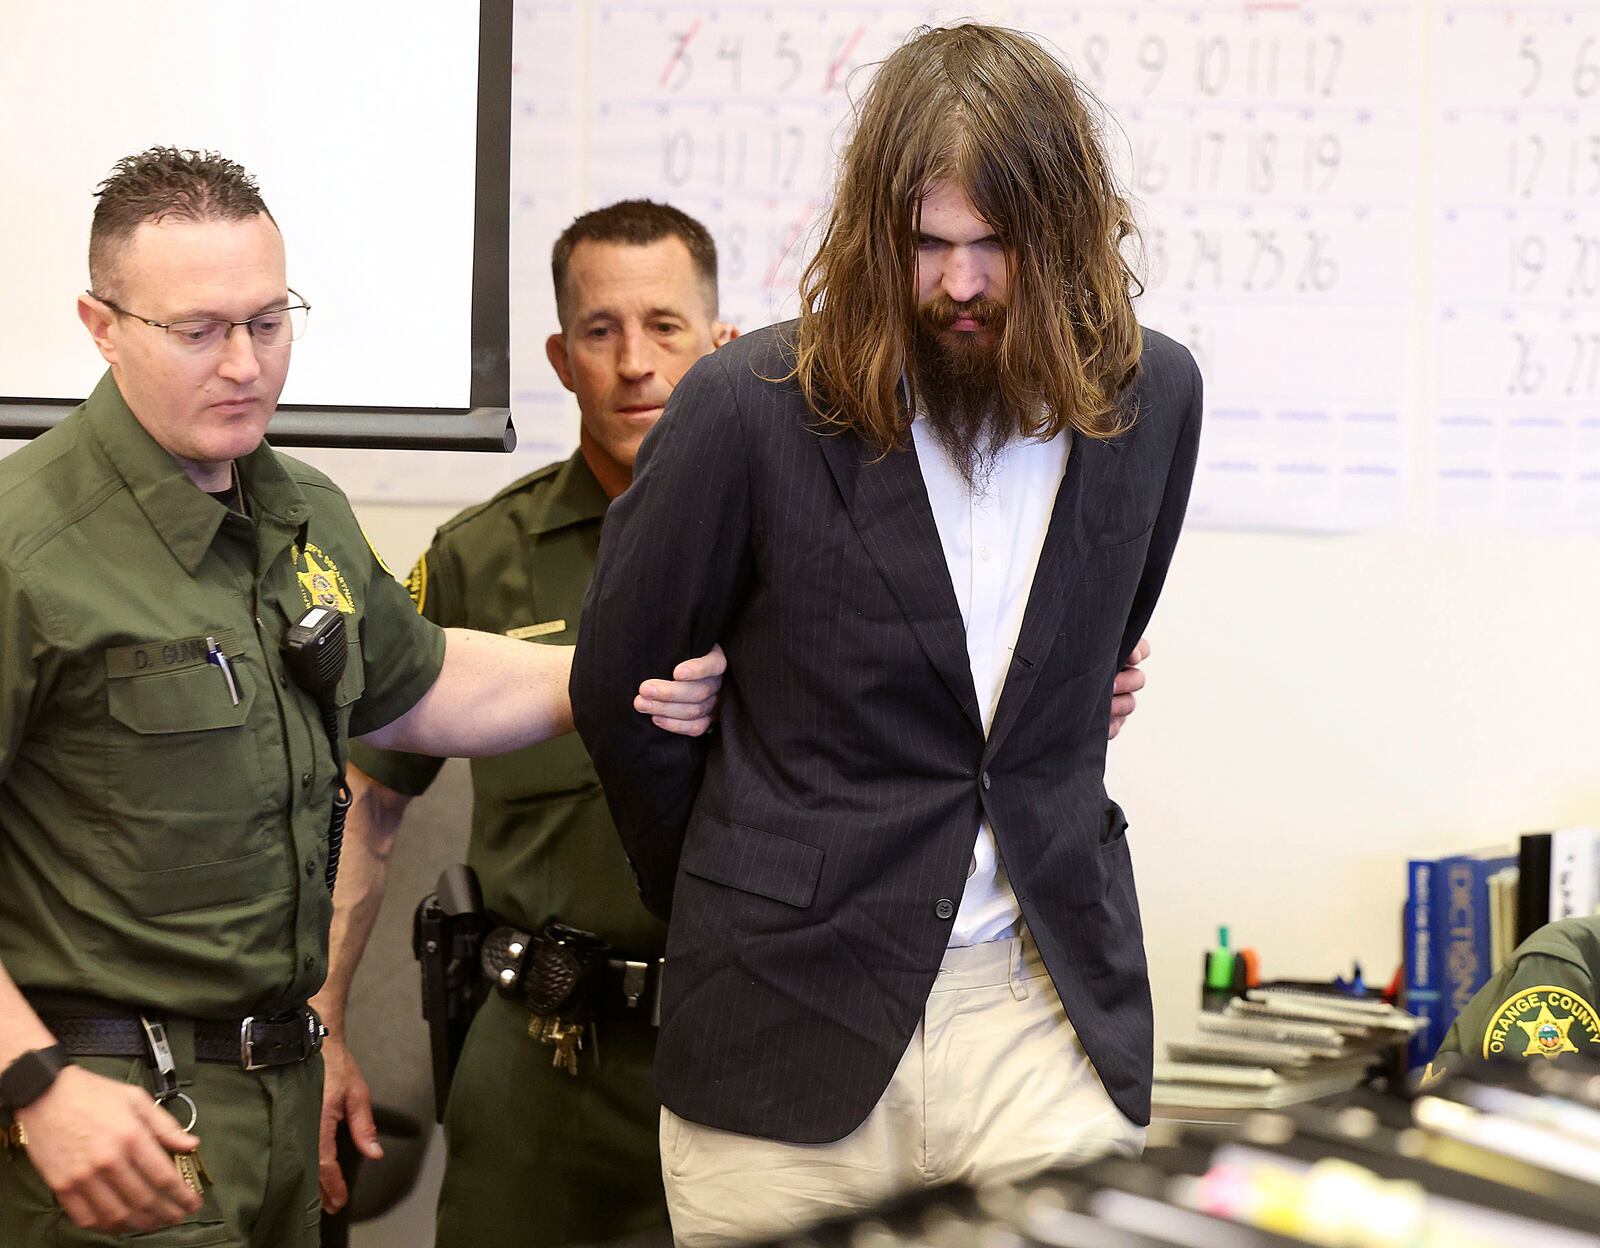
994, 1085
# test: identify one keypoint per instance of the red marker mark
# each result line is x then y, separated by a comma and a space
844, 57
677, 54
797, 229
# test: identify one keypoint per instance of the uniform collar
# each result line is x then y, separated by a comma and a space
574, 497
185, 517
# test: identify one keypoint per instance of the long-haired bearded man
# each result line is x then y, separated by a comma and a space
928, 521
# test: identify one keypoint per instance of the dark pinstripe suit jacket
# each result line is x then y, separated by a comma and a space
807, 849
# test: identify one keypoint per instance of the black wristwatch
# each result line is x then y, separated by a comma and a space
30, 1076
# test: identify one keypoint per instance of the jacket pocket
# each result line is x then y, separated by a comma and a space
753, 861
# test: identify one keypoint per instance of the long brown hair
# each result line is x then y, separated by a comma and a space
991, 110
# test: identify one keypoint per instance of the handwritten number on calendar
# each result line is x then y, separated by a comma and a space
1153, 60
1532, 64
730, 56
1259, 261
1537, 60
1096, 48
677, 157
1566, 364
785, 52
1324, 59
738, 60
1528, 257
1527, 159
1586, 73
675, 74
1266, 261
1572, 263
1542, 167
1584, 280
1324, 155
1320, 272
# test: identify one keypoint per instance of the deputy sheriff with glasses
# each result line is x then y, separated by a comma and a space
192, 626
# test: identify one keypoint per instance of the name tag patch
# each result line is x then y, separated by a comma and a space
169, 656
528, 631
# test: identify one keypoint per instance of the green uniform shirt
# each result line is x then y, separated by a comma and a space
543, 843
160, 843
1539, 1006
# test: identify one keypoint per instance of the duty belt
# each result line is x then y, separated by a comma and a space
617, 988
90, 1028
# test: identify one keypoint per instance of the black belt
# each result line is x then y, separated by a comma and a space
623, 989
102, 1029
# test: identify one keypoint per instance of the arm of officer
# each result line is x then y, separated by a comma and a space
496, 694
104, 1148
375, 814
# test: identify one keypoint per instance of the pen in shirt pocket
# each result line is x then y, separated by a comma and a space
214, 655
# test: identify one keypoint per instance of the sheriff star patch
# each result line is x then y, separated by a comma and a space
321, 582
1545, 1021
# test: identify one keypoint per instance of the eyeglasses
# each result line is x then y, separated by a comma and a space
268, 330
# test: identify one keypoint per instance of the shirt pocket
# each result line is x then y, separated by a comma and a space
352, 684
184, 781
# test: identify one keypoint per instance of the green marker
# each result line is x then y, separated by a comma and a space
1219, 964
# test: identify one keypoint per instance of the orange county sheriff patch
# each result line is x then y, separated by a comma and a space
321, 582
1546, 1021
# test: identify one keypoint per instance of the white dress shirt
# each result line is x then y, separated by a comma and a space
992, 543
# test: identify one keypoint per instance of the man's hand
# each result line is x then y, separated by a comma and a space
105, 1149
345, 1098
686, 704
1128, 682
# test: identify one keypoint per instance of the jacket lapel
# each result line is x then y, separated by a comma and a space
888, 504
1075, 521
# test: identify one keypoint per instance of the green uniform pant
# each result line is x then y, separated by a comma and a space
539, 1157
258, 1138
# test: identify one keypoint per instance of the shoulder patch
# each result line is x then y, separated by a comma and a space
417, 582
1543, 1021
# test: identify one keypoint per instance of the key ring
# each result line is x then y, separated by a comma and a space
194, 1110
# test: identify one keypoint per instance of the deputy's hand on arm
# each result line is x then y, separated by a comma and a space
494, 695
686, 704
1128, 682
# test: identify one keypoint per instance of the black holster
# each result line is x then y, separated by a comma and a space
445, 936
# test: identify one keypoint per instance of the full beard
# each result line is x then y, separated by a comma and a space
957, 376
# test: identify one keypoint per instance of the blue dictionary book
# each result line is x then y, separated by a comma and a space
1423, 965
1462, 922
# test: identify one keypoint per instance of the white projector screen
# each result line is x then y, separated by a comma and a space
359, 118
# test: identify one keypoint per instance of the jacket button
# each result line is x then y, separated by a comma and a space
311, 868
985, 780
944, 907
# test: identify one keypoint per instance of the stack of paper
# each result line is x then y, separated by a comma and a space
1276, 1047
